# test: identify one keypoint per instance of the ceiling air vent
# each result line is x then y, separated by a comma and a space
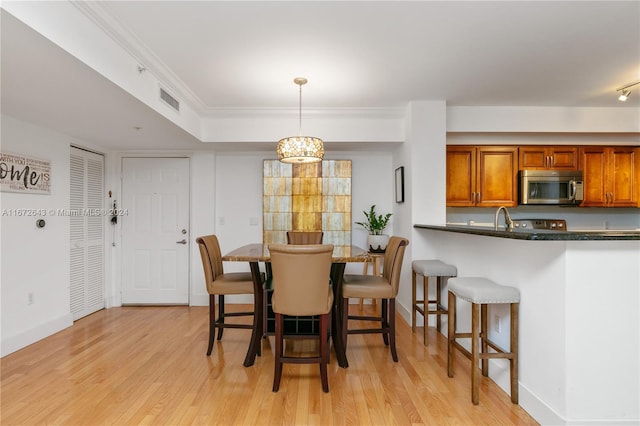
170, 100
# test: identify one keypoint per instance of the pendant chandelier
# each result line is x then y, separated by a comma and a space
300, 149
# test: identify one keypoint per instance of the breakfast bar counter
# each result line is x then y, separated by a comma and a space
540, 234
579, 357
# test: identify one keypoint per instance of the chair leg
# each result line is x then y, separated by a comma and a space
277, 373
413, 301
438, 304
328, 339
220, 314
212, 322
324, 351
265, 303
392, 329
475, 371
385, 321
514, 352
451, 333
425, 290
483, 339
345, 321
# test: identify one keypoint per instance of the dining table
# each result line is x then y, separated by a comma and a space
258, 252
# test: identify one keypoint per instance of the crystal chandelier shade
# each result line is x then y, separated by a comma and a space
300, 149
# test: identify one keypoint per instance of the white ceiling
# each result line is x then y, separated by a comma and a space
221, 55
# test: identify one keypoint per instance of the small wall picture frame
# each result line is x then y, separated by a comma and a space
400, 184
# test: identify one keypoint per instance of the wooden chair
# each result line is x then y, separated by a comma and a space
374, 260
220, 284
301, 287
383, 287
304, 237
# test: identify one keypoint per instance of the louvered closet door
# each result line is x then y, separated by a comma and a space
87, 232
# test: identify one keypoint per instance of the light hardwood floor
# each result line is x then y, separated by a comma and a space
147, 365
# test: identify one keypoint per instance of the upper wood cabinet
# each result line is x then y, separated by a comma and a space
548, 158
611, 176
482, 176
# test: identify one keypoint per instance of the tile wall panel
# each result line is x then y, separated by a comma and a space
307, 197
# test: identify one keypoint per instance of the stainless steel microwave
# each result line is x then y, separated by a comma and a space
551, 187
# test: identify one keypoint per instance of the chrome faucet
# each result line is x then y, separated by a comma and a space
507, 218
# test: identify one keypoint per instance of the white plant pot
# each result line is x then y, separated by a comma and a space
377, 243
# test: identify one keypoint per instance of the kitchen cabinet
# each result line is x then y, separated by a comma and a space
610, 175
482, 176
548, 158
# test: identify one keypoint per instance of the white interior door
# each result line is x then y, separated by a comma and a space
155, 231
86, 184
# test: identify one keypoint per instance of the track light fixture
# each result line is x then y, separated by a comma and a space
624, 95
625, 92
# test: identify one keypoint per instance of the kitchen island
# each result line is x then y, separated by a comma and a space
579, 321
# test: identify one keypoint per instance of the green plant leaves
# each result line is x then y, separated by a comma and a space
375, 223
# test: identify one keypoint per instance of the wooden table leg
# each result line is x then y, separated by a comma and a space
337, 274
258, 310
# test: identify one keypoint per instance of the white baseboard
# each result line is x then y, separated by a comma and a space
26, 338
202, 300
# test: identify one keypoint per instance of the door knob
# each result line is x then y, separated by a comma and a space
181, 242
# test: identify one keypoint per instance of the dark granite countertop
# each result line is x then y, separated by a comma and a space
538, 234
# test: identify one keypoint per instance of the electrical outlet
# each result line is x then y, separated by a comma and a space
30, 299
497, 323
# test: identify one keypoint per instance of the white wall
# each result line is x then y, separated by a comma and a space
34, 260
203, 190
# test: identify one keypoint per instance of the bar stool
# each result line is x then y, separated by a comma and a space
480, 292
429, 268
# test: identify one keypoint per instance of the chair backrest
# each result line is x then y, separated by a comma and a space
392, 265
301, 284
211, 258
304, 237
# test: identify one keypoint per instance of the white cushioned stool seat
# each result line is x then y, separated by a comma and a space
481, 290
429, 268
434, 268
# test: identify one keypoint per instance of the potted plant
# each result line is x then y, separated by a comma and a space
375, 224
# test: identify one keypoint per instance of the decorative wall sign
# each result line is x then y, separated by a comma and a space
24, 174
400, 184
307, 197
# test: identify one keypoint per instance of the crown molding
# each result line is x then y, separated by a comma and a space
105, 20
373, 112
